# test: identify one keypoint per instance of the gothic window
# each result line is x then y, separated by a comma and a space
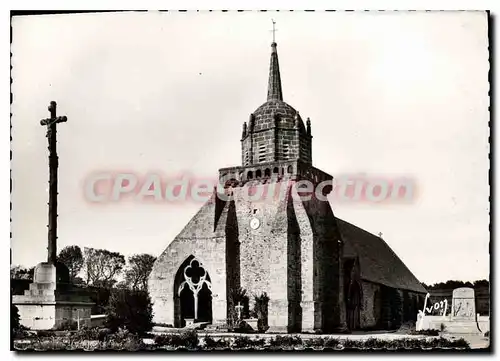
250, 175
275, 170
267, 172
289, 170
258, 174
195, 279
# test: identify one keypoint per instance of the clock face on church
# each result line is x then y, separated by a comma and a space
254, 223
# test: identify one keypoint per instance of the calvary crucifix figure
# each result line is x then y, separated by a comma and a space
53, 164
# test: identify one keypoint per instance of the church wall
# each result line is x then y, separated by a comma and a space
305, 149
263, 145
246, 151
288, 144
198, 239
322, 303
294, 270
370, 310
263, 251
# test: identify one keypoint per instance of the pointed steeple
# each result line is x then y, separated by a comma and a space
274, 90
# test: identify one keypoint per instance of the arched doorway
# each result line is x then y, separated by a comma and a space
354, 306
192, 293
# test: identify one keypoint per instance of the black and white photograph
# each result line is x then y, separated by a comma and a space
250, 180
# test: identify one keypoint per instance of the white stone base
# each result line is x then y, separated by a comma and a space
44, 306
50, 316
454, 326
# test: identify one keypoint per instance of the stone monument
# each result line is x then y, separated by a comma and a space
463, 312
50, 300
463, 304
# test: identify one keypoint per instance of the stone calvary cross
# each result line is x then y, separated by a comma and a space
238, 309
53, 165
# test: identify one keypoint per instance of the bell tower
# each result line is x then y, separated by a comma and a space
275, 131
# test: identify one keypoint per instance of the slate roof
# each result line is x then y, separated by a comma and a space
378, 262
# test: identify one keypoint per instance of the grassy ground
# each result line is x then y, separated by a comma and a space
220, 341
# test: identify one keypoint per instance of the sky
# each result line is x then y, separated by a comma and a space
395, 94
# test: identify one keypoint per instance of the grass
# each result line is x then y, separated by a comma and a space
101, 339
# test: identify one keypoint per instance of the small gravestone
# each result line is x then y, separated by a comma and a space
463, 304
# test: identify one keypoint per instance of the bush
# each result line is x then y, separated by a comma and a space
94, 333
373, 342
67, 325
331, 342
123, 340
349, 343
286, 341
425, 332
211, 343
129, 309
261, 311
314, 342
45, 333
162, 340
247, 342
15, 319
188, 339
17, 330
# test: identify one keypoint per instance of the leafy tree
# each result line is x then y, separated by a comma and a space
21, 273
452, 284
138, 270
481, 283
131, 310
15, 321
261, 311
102, 266
72, 257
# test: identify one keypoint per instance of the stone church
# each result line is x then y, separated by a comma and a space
319, 273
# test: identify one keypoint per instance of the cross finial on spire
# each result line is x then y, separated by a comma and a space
274, 30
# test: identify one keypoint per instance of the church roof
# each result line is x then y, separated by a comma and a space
274, 91
378, 262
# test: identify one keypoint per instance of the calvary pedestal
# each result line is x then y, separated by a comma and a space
50, 300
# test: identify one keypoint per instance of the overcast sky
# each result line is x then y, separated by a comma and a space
388, 94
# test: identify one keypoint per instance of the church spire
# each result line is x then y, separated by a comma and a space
274, 90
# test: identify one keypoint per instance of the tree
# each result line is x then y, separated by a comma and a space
481, 283
21, 273
131, 310
102, 267
15, 320
261, 311
137, 273
72, 257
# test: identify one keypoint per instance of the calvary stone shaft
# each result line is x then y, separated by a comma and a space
53, 164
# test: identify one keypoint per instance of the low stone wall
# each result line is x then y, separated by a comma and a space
454, 326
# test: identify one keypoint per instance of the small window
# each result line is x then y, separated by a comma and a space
267, 172
275, 170
289, 170
258, 174
250, 175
